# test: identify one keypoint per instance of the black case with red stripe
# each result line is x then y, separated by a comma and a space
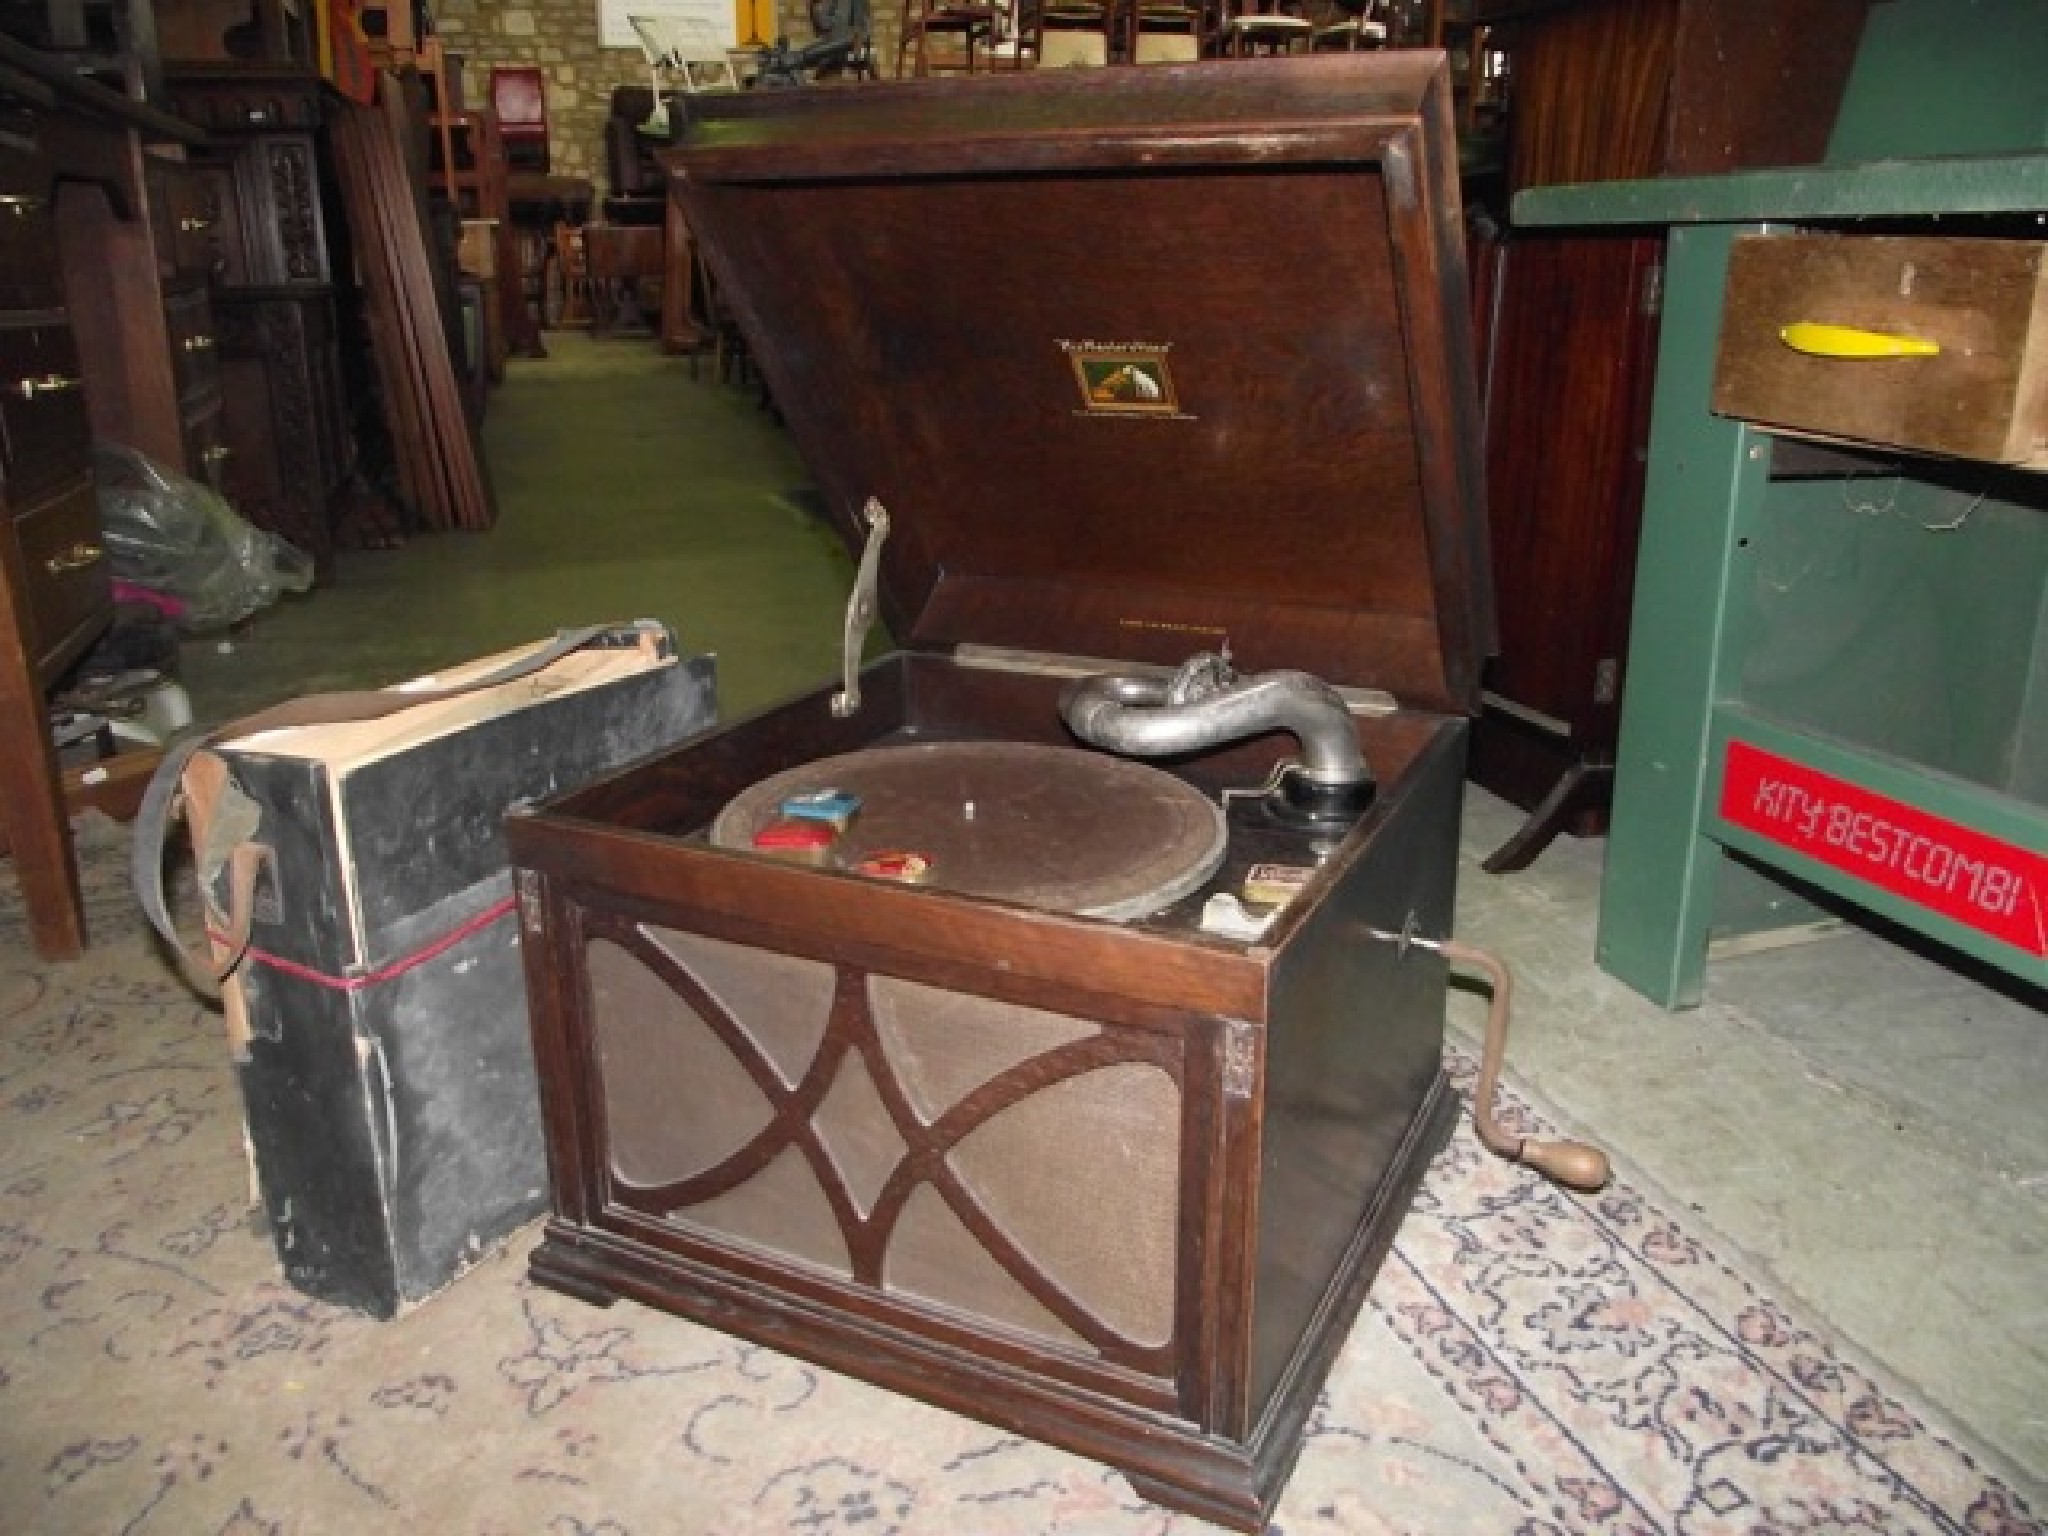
389, 1085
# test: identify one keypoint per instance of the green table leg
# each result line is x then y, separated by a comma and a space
1704, 489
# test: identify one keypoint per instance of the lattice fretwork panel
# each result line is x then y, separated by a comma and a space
998, 1162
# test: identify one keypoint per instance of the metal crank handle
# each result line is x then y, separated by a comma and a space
1574, 1164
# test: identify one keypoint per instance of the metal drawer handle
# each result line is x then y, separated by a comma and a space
48, 384
198, 343
1845, 341
22, 203
216, 453
192, 226
76, 558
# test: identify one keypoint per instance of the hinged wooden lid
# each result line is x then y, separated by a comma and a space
1138, 359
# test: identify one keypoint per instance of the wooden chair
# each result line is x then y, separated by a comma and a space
1165, 31
519, 98
1347, 25
1266, 26
624, 263
1012, 44
567, 301
967, 29
1070, 34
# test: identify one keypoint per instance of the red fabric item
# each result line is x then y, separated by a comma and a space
519, 97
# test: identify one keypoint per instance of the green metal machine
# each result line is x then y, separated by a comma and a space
1838, 664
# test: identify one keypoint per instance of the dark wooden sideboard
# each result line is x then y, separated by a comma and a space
1604, 90
289, 448
106, 331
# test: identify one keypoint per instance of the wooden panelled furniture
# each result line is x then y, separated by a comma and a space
944, 35
106, 330
287, 449
1603, 90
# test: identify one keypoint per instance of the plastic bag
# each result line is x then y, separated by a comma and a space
174, 536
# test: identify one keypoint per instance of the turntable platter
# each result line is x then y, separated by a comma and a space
1057, 828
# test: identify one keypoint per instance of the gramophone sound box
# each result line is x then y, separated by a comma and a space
1077, 1074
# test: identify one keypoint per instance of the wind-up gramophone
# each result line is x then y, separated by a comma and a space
978, 1097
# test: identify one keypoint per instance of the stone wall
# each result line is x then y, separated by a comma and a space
561, 36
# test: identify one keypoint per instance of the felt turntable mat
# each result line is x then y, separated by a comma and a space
1057, 828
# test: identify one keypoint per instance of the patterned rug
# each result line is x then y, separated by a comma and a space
1528, 1363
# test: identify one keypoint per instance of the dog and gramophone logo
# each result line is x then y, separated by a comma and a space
1123, 378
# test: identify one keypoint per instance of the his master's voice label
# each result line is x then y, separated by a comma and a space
1957, 871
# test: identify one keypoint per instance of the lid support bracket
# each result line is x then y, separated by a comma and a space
860, 611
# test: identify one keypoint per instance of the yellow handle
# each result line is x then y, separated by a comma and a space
1817, 340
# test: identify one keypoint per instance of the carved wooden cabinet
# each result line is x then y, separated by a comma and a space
184, 211
285, 424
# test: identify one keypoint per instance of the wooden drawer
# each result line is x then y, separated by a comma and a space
215, 241
206, 452
191, 219
195, 355
48, 437
30, 277
1982, 305
69, 578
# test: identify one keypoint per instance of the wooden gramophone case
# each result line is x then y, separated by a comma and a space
1139, 361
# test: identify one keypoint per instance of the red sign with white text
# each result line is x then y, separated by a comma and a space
1965, 875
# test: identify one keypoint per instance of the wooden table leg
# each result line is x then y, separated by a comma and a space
32, 799
1701, 505
1583, 786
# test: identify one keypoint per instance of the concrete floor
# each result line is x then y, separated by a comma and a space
1863, 1121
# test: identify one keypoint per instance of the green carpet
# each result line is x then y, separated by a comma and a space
707, 524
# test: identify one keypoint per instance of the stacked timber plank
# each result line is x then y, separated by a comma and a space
410, 315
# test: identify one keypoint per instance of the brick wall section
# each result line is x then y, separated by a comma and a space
561, 36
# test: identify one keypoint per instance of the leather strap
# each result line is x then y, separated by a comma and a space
161, 803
